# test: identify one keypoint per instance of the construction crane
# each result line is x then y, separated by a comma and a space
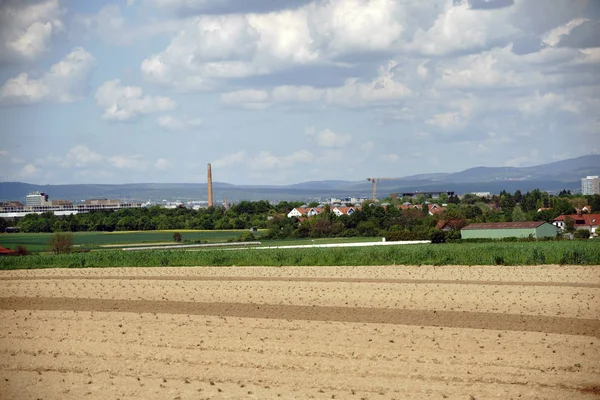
374, 184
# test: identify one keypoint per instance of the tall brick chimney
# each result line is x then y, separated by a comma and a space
210, 193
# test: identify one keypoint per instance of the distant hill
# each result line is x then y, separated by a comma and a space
565, 174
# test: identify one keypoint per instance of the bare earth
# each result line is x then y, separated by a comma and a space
390, 332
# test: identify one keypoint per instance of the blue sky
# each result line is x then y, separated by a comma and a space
275, 92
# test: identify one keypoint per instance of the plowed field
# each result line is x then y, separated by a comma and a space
301, 332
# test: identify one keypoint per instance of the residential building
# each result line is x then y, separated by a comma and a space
305, 212
589, 222
339, 211
432, 208
500, 230
590, 185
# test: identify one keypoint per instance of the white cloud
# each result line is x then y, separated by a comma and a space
162, 164
27, 27
29, 170
267, 161
173, 124
554, 36
66, 81
353, 93
3, 153
249, 99
329, 138
264, 160
460, 28
537, 104
112, 27
448, 120
210, 48
121, 103
133, 162
230, 159
82, 156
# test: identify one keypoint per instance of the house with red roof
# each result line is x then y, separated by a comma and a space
339, 211
589, 222
305, 212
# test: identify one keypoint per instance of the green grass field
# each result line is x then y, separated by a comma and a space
584, 252
38, 242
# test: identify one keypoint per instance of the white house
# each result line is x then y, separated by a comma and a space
304, 212
339, 211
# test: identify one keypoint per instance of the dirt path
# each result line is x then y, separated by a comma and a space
354, 332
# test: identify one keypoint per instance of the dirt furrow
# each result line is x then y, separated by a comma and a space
298, 279
474, 320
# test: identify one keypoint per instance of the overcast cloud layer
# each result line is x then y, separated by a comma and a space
275, 92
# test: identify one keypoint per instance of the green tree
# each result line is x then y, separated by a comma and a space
518, 215
61, 243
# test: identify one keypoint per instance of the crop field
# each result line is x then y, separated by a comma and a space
386, 332
520, 253
36, 242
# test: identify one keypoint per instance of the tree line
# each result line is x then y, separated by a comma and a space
371, 220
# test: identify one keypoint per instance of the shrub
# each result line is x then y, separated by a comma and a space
581, 234
61, 243
437, 236
177, 237
453, 235
246, 237
21, 250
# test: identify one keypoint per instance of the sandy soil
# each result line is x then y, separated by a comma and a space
301, 332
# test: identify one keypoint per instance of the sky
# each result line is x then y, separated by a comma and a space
281, 92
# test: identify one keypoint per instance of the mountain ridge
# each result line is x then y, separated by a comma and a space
558, 175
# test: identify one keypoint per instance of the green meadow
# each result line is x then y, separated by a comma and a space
581, 252
38, 242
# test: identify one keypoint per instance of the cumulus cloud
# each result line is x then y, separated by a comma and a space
211, 48
187, 7
174, 124
230, 159
460, 28
110, 25
121, 103
129, 162
249, 99
448, 120
67, 81
554, 36
549, 102
83, 161
28, 170
329, 138
353, 93
264, 160
82, 156
27, 27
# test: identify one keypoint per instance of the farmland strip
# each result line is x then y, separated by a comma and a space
303, 279
454, 319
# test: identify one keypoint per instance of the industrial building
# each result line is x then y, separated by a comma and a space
500, 230
590, 185
38, 203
